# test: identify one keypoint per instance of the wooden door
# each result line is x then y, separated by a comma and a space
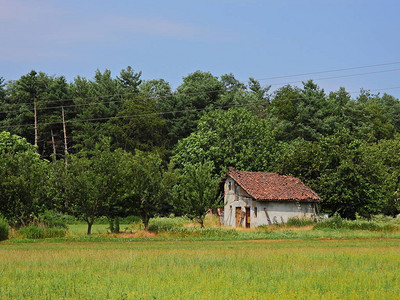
247, 217
238, 212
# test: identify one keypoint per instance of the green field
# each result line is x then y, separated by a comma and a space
264, 269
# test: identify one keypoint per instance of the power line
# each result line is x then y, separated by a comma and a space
152, 98
119, 101
329, 71
222, 90
341, 76
168, 112
130, 116
74, 105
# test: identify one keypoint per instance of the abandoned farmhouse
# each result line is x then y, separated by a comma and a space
253, 199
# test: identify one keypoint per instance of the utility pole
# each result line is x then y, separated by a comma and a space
65, 136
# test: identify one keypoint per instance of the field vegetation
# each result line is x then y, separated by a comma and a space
285, 269
177, 258
182, 228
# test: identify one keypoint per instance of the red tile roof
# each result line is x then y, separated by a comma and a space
273, 187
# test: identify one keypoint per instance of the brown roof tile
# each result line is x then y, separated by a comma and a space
273, 187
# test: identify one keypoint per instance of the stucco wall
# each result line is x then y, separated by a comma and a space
236, 197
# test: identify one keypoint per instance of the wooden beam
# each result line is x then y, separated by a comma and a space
268, 219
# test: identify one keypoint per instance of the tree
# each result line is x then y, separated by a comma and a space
233, 138
94, 186
44, 93
98, 103
338, 168
197, 191
306, 113
151, 187
384, 155
139, 126
130, 80
23, 177
199, 91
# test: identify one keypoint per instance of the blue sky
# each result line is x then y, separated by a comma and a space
170, 39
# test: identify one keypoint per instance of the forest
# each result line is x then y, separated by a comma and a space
116, 146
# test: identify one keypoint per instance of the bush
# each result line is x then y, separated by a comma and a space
3, 229
51, 218
35, 232
297, 222
336, 222
166, 224
207, 232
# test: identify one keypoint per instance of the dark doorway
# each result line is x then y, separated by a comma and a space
238, 212
247, 217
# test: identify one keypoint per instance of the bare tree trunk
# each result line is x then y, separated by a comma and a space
36, 129
54, 145
65, 136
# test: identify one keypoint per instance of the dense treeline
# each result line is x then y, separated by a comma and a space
137, 147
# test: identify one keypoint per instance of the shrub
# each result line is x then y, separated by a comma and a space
208, 232
166, 224
3, 229
297, 222
336, 222
35, 232
31, 232
51, 218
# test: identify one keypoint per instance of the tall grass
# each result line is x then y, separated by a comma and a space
165, 224
375, 224
36, 232
290, 269
297, 222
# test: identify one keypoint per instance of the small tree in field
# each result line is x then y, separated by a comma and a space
198, 191
23, 177
93, 186
151, 186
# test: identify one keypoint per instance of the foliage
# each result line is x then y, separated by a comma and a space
145, 131
197, 191
203, 232
51, 218
345, 148
36, 232
150, 186
164, 224
4, 229
22, 178
93, 186
336, 222
233, 138
339, 169
48, 94
299, 222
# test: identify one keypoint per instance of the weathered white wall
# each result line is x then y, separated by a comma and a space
237, 197
281, 210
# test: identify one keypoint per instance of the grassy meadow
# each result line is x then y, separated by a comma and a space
284, 269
